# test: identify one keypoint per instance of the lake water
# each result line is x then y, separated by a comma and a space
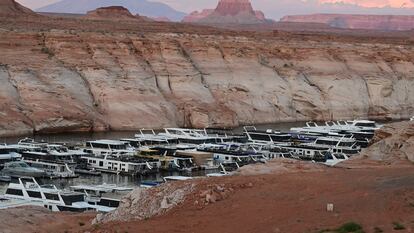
121, 180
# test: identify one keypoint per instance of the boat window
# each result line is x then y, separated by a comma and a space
16, 192
52, 196
34, 194
73, 198
360, 124
347, 144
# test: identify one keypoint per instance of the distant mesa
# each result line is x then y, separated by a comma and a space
150, 8
348, 21
112, 13
12, 8
228, 12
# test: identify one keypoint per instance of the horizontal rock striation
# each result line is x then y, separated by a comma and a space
87, 81
228, 12
12, 8
374, 22
112, 13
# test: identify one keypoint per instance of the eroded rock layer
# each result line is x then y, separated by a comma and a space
228, 12
65, 80
374, 22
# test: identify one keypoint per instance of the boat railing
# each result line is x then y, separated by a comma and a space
141, 131
249, 128
311, 124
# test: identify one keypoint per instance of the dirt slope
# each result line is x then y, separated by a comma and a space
294, 203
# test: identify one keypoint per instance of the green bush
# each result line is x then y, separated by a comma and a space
350, 227
398, 226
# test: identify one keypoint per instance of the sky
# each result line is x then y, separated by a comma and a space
277, 8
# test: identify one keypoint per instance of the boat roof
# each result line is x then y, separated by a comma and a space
107, 141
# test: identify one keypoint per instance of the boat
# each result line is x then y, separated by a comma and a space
5, 179
55, 164
173, 162
26, 191
336, 145
233, 155
333, 159
412, 118
147, 137
109, 147
122, 165
191, 136
111, 191
21, 169
268, 136
8, 154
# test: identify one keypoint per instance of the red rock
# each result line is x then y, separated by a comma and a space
10, 7
195, 15
375, 22
228, 12
234, 7
111, 13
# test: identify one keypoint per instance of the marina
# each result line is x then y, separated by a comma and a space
150, 157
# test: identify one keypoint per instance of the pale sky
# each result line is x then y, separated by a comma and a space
277, 8
199, 4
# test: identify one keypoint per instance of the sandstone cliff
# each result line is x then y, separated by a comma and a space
67, 80
394, 143
12, 8
228, 12
375, 22
112, 13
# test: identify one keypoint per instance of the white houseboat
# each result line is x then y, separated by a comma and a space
27, 190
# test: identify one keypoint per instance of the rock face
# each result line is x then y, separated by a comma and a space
228, 12
112, 13
57, 80
195, 16
12, 8
375, 22
146, 203
394, 143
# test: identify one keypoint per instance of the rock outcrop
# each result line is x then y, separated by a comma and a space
195, 16
79, 81
394, 143
228, 12
146, 203
12, 8
112, 13
374, 22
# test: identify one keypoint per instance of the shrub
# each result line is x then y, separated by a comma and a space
350, 227
398, 226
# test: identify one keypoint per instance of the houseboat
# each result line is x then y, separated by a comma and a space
29, 191
55, 164
122, 165
268, 136
191, 136
109, 147
8, 154
21, 169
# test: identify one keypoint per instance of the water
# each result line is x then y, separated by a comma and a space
129, 181
76, 138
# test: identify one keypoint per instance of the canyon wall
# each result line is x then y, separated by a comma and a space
61, 80
228, 12
372, 22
